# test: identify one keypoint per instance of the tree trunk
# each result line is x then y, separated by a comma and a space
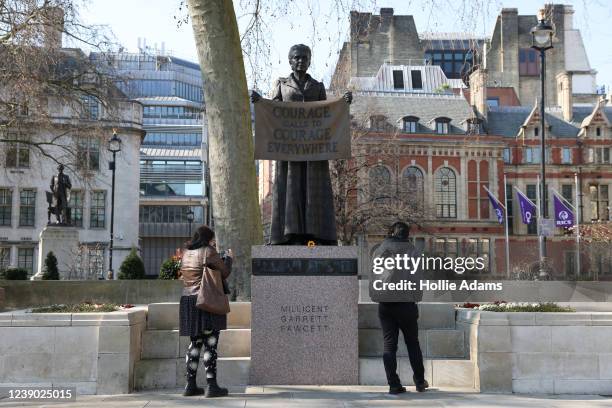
232, 165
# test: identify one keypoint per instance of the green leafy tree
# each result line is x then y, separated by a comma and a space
132, 267
51, 271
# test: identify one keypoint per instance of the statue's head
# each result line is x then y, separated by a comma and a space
399, 230
299, 57
60, 168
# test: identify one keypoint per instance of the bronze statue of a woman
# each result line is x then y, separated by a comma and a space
302, 197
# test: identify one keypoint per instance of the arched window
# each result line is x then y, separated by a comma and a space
380, 182
410, 124
442, 125
445, 188
412, 182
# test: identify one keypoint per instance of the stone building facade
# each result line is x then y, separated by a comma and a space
512, 65
25, 174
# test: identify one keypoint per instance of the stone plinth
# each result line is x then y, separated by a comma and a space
304, 315
63, 241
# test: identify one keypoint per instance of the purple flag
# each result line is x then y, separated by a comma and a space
497, 206
528, 208
564, 216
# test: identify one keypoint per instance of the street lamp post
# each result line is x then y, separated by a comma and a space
114, 146
541, 38
190, 218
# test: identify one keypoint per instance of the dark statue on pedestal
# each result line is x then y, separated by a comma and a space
302, 197
59, 197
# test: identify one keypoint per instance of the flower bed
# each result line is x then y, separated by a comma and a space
501, 306
86, 307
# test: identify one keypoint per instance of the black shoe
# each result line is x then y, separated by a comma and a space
192, 388
396, 389
214, 391
421, 386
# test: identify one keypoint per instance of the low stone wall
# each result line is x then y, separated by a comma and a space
96, 352
550, 353
27, 294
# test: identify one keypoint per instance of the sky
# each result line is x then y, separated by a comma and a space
156, 22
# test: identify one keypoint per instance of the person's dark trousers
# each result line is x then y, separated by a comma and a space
393, 318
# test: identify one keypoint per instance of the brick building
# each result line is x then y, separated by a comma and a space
451, 128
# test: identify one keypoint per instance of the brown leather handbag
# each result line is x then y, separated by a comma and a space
211, 296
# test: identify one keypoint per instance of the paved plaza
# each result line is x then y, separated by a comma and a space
329, 397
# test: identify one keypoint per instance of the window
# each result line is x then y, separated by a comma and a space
528, 62
380, 182
532, 227
446, 247
27, 208
378, 123
569, 263
5, 258
473, 126
567, 192
398, 79
25, 259
454, 63
510, 208
602, 155
88, 150
6, 206
169, 214
479, 248
599, 202
97, 213
76, 207
507, 155
442, 126
566, 155
90, 107
175, 139
598, 131
492, 102
17, 154
533, 155
410, 124
416, 79
412, 180
445, 193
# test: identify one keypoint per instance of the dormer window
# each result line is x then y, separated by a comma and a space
378, 123
442, 125
536, 131
474, 126
398, 79
409, 124
598, 132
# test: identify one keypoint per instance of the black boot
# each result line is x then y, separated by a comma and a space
421, 386
396, 389
192, 388
213, 390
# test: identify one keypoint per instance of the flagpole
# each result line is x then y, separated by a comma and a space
577, 209
539, 228
507, 240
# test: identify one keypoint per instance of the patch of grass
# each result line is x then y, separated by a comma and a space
78, 308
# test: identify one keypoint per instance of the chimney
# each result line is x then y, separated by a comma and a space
386, 12
478, 92
564, 94
53, 26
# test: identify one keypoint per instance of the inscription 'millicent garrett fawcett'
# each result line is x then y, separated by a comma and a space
299, 319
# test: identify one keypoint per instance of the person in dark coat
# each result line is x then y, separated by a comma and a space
400, 311
201, 326
302, 196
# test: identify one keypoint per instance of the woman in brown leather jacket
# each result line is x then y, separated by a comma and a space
201, 326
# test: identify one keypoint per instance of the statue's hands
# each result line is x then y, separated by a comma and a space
255, 97
348, 97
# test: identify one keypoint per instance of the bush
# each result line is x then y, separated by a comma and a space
51, 271
169, 269
14, 274
132, 267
